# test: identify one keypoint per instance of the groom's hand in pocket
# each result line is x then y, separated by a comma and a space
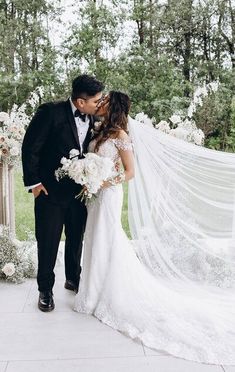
38, 189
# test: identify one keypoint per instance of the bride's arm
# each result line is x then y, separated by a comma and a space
125, 149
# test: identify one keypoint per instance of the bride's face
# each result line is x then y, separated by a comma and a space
103, 107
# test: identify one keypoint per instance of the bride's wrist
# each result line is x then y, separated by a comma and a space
120, 178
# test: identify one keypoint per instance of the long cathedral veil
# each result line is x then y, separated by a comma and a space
182, 209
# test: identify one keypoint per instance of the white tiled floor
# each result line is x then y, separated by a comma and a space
65, 341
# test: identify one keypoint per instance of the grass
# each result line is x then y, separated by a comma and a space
24, 209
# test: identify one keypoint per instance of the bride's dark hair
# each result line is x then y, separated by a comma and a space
116, 118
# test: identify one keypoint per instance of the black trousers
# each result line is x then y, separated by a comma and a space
50, 217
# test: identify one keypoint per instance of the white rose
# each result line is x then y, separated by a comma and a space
91, 168
179, 133
9, 269
175, 119
97, 125
4, 116
163, 126
144, 119
198, 137
74, 152
76, 171
14, 151
64, 161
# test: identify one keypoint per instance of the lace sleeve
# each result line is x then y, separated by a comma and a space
123, 144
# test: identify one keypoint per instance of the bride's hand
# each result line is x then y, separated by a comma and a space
105, 185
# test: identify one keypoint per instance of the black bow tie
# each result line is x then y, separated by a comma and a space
77, 113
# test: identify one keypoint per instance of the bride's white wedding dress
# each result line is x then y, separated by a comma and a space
123, 292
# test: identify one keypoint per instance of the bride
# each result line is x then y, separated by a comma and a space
148, 294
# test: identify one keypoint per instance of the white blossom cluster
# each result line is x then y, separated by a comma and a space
35, 96
90, 172
17, 259
144, 119
199, 94
12, 128
11, 135
183, 128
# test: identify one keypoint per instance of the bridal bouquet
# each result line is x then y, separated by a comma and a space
90, 172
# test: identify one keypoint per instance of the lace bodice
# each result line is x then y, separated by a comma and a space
111, 148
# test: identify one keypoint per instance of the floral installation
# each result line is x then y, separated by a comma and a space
144, 119
180, 127
12, 128
17, 259
90, 172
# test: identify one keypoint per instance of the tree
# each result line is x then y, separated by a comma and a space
226, 10
27, 56
93, 38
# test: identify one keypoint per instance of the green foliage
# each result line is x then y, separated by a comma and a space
93, 38
27, 57
216, 116
156, 52
24, 208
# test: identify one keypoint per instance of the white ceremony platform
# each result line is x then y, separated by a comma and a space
65, 341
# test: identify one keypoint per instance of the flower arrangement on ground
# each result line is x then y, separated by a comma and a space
17, 259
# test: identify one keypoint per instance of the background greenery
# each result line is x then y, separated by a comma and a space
156, 51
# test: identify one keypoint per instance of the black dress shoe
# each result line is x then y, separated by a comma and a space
70, 285
46, 302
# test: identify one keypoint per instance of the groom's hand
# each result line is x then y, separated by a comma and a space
36, 190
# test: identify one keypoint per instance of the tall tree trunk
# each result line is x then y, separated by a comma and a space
230, 41
187, 40
138, 5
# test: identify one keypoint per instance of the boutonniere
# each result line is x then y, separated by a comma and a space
96, 128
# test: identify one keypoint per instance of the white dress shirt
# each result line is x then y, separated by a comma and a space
82, 128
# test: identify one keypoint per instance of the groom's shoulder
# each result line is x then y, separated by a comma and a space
55, 104
53, 107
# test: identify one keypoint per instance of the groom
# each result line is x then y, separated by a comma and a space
55, 129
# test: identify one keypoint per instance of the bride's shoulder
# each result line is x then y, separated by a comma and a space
122, 141
123, 135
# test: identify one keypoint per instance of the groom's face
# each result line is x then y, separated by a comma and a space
89, 105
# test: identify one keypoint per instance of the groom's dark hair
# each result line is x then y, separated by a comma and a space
86, 86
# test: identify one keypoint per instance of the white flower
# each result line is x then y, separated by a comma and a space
198, 137
214, 86
163, 126
14, 151
4, 117
179, 133
65, 161
144, 119
74, 153
175, 119
97, 125
9, 269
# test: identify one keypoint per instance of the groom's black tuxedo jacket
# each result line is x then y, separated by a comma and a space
51, 134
